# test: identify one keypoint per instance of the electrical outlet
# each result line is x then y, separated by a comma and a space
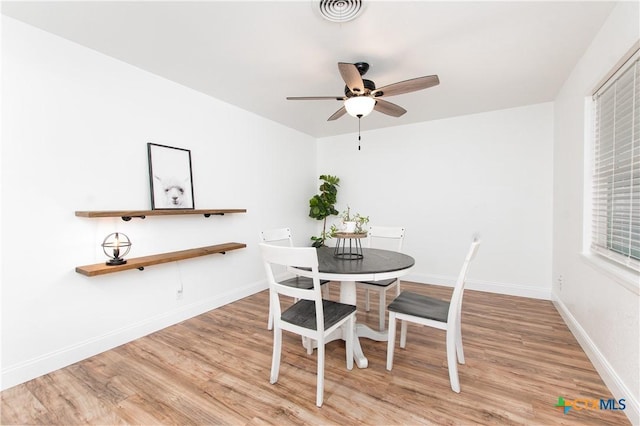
179, 294
560, 282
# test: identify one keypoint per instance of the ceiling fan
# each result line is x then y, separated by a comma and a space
361, 95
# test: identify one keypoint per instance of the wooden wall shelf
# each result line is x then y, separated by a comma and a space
126, 215
156, 259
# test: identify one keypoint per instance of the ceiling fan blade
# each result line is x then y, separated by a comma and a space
407, 86
351, 77
339, 113
314, 98
388, 108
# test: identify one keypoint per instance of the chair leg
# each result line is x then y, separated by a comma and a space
451, 360
366, 300
320, 389
398, 288
277, 349
350, 337
326, 291
307, 343
391, 341
403, 334
381, 308
270, 320
459, 349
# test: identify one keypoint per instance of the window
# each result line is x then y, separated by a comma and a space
616, 173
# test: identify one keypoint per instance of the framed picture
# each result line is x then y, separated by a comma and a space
170, 177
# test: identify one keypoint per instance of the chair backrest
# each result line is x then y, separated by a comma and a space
300, 257
455, 305
278, 236
385, 237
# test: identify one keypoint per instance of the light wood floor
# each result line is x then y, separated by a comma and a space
214, 369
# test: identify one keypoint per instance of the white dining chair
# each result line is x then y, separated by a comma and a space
282, 237
432, 312
311, 316
386, 238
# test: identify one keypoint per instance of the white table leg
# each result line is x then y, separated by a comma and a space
348, 292
348, 295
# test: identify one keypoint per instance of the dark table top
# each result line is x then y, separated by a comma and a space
374, 261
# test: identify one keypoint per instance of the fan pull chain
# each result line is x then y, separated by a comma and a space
359, 118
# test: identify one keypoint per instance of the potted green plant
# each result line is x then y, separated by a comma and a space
353, 224
322, 205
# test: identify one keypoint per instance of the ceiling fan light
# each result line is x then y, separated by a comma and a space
359, 106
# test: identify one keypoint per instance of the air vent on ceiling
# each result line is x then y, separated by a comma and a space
340, 10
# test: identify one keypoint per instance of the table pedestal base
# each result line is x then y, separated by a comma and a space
348, 295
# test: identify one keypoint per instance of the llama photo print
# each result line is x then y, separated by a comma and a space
170, 177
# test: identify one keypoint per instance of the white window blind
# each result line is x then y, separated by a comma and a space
616, 174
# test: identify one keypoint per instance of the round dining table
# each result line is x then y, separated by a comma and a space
374, 265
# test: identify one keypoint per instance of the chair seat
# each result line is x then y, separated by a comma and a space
303, 313
421, 306
381, 283
301, 282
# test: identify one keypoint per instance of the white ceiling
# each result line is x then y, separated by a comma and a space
488, 55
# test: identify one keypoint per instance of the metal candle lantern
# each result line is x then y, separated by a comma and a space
119, 245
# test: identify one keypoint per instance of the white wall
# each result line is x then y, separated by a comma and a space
602, 313
74, 134
445, 180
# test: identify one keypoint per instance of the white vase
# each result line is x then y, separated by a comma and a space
349, 227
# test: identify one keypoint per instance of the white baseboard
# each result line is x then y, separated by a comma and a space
30, 369
488, 286
602, 366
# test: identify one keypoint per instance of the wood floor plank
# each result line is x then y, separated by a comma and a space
19, 404
215, 368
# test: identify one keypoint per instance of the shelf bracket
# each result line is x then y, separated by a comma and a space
141, 268
215, 214
128, 218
